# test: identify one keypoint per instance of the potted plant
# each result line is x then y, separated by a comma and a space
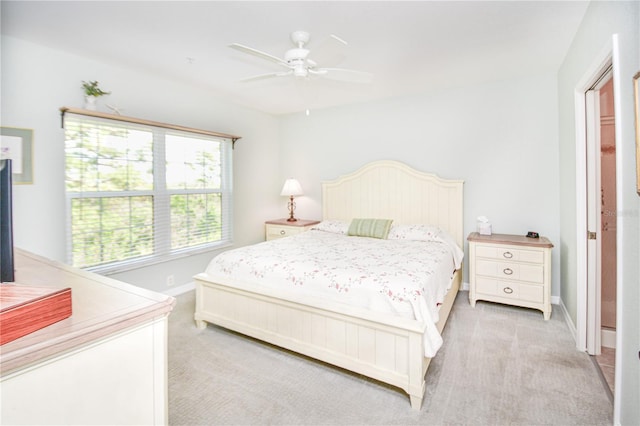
91, 93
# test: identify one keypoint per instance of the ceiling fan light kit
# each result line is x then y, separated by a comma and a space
300, 64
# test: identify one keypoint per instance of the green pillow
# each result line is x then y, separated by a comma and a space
374, 228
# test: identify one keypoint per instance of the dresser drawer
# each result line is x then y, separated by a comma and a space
509, 253
275, 231
510, 290
511, 270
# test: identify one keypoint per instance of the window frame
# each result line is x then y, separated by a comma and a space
161, 220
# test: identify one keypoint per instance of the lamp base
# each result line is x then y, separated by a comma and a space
292, 207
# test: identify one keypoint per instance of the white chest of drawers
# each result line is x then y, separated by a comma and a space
510, 269
105, 364
281, 228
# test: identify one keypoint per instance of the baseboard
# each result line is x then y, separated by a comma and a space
177, 291
572, 327
465, 286
608, 338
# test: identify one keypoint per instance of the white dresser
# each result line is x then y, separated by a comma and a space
105, 364
281, 228
510, 269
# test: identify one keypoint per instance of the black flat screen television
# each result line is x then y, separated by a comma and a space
7, 269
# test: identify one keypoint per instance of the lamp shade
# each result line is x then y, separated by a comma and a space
291, 188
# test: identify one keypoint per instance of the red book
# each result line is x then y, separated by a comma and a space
25, 309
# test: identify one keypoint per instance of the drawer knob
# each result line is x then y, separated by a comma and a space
507, 254
508, 290
282, 232
507, 271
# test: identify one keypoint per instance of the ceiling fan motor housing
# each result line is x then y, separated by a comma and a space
296, 58
293, 56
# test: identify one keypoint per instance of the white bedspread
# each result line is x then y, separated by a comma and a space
403, 277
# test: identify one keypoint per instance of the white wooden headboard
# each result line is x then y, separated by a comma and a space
392, 190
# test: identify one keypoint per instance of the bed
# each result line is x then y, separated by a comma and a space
389, 348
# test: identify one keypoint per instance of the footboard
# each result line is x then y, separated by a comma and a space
391, 351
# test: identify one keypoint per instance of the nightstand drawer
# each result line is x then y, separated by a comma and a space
508, 253
511, 270
274, 231
281, 228
510, 290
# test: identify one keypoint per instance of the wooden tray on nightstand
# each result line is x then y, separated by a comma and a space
25, 309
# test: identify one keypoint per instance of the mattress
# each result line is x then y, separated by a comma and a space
405, 275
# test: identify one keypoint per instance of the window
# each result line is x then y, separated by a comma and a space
139, 193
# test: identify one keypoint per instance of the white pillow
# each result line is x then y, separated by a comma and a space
427, 233
333, 226
418, 232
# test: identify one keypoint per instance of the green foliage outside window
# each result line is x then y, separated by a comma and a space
111, 229
114, 200
195, 219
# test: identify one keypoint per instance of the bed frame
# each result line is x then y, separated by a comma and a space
390, 350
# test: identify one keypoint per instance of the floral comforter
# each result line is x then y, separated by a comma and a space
403, 277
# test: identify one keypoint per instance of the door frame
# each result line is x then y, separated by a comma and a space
587, 315
609, 54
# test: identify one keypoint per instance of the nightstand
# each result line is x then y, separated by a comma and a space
510, 269
281, 228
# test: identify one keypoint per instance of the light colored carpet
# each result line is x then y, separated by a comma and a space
499, 365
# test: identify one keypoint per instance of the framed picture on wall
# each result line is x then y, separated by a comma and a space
17, 144
636, 99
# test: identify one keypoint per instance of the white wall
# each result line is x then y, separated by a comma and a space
601, 22
37, 81
500, 137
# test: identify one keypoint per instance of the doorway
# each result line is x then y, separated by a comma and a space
588, 301
608, 213
602, 225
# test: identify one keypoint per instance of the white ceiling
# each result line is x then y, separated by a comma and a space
410, 47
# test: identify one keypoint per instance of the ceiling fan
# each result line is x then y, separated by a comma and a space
298, 62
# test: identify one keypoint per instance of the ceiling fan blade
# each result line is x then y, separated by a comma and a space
265, 76
330, 51
259, 54
342, 74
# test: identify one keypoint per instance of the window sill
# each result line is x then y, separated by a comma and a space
145, 262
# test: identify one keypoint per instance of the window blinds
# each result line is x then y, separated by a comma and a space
138, 193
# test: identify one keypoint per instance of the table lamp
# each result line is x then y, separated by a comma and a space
291, 189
